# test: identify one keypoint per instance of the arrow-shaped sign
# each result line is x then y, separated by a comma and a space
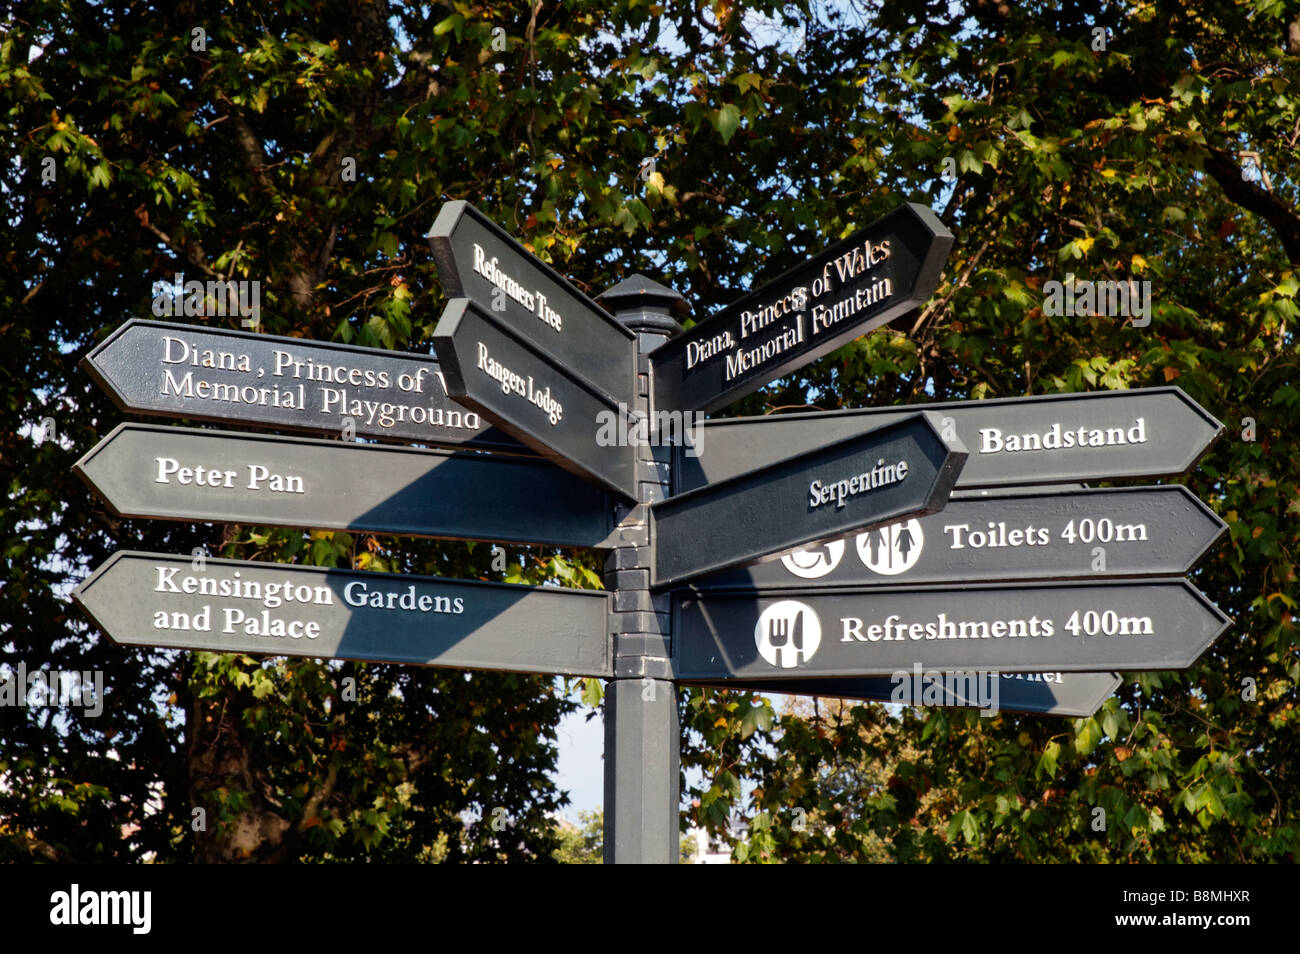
477, 259
865, 281
233, 606
509, 382
166, 369
1078, 694
1051, 627
179, 473
1146, 531
905, 469
1052, 439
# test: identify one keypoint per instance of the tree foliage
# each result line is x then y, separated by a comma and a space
1116, 163
213, 139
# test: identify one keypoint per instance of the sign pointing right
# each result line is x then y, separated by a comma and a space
1043, 535
1066, 627
901, 470
1051, 439
885, 270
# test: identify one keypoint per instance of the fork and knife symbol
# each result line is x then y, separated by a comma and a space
778, 634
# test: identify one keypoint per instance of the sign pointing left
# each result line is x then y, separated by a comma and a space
165, 369
235, 606
181, 473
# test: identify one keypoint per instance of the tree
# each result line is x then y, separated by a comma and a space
1129, 143
309, 146
581, 844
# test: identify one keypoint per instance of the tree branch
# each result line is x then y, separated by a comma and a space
1220, 164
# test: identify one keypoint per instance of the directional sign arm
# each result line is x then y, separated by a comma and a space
901, 470
1024, 534
177, 473
478, 260
234, 606
1048, 439
502, 376
1044, 627
885, 270
166, 369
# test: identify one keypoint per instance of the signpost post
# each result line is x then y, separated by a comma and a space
1040, 593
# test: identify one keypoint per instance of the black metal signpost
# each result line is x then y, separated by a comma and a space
996, 597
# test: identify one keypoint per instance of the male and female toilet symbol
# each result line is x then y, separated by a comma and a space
889, 550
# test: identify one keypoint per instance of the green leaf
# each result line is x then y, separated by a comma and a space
1047, 762
726, 121
454, 22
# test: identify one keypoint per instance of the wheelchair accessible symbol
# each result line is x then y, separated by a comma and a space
891, 549
814, 561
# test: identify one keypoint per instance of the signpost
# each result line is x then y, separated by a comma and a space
165, 369
1046, 535
1053, 439
478, 260
1030, 627
543, 404
911, 599
865, 281
904, 469
1078, 694
145, 470
235, 606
